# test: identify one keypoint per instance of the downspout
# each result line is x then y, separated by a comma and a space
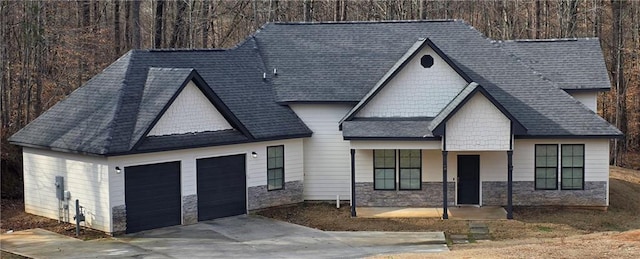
353, 182
510, 176
445, 214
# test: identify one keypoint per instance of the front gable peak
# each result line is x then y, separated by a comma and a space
420, 84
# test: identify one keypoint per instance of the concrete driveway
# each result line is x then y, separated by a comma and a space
238, 237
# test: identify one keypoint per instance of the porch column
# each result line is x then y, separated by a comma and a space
510, 184
353, 182
445, 214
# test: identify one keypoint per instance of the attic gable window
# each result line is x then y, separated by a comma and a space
426, 61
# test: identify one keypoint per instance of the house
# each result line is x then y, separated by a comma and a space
402, 113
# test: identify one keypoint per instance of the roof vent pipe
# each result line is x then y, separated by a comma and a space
264, 76
275, 71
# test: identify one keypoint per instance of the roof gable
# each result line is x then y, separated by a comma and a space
437, 125
190, 112
431, 85
163, 87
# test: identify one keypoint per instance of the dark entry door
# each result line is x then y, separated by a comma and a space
469, 179
152, 196
222, 188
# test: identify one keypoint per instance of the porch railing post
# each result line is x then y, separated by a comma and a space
445, 214
353, 182
510, 184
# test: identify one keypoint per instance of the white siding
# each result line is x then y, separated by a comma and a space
327, 162
256, 167
191, 111
416, 91
368, 144
493, 165
596, 160
85, 177
431, 165
478, 126
364, 165
589, 99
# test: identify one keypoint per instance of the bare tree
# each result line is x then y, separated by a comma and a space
159, 17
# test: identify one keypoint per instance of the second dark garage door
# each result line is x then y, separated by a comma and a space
221, 187
152, 196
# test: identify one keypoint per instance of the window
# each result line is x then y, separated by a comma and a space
572, 167
384, 169
410, 169
275, 168
546, 167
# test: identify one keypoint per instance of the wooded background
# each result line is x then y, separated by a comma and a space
50, 48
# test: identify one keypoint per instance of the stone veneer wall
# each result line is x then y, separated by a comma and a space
525, 194
190, 209
119, 219
429, 196
259, 197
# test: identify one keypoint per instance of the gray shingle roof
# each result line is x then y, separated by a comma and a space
323, 62
389, 129
342, 61
109, 113
571, 64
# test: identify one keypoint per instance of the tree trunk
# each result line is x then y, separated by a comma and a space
178, 37
618, 41
306, 5
343, 12
4, 85
127, 24
538, 17
159, 17
86, 13
423, 9
136, 24
205, 23
116, 27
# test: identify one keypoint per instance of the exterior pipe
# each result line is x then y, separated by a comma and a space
353, 182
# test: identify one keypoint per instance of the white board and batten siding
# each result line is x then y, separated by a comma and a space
191, 111
327, 159
256, 168
478, 126
85, 177
588, 98
416, 91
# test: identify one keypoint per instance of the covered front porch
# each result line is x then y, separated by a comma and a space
418, 179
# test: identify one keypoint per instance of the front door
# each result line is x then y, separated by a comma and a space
469, 179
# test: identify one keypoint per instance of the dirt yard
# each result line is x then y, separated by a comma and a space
13, 218
535, 232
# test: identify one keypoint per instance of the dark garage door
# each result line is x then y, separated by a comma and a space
221, 187
152, 196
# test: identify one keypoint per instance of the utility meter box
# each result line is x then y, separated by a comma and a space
60, 187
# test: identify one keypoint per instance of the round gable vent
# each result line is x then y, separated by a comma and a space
426, 61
